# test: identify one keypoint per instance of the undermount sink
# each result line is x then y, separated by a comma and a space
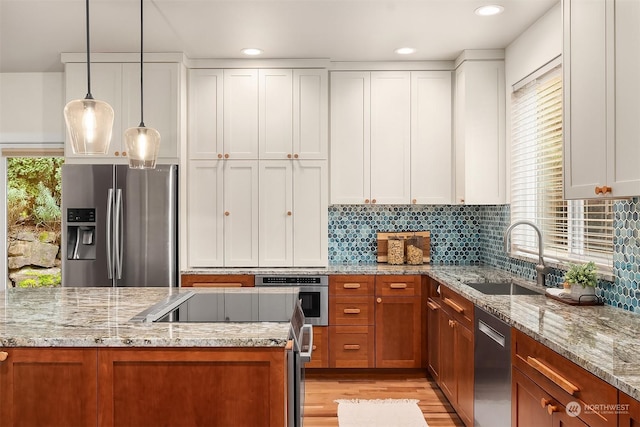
502, 288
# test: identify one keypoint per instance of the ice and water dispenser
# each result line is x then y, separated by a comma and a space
81, 233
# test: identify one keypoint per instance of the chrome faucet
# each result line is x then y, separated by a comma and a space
541, 269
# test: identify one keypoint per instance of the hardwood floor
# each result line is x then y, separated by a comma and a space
323, 387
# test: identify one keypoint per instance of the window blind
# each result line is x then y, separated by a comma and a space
574, 231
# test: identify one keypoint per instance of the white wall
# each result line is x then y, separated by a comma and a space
536, 46
31, 107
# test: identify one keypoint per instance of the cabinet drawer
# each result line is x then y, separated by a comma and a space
459, 307
217, 280
398, 286
320, 356
351, 347
563, 379
351, 285
350, 310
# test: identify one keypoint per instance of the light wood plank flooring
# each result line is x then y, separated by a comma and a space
322, 388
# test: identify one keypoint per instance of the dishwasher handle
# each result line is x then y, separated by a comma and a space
491, 333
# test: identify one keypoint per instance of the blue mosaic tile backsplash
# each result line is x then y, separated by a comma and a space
473, 234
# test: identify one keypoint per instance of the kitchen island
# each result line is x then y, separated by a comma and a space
74, 357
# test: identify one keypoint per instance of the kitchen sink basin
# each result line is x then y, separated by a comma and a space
502, 288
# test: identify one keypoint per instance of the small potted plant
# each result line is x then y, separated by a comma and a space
582, 278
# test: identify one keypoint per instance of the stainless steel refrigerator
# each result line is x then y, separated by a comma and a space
119, 226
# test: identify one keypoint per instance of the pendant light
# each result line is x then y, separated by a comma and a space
89, 121
142, 142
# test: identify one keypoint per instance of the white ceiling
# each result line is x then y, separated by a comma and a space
33, 33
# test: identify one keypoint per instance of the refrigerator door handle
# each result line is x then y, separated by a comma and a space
109, 233
118, 233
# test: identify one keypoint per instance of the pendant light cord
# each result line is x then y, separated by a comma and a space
89, 96
141, 62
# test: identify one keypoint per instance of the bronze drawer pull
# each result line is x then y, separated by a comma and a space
432, 305
398, 286
351, 311
3, 356
217, 285
351, 286
603, 190
552, 375
454, 306
351, 347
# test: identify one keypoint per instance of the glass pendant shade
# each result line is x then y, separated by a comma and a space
142, 147
89, 123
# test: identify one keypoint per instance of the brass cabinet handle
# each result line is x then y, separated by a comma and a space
289, 213
398, 286
373, 200
124, 154
351, 286
295, 156
226, 156
351, 311
219, 156
288, 156
117, 153
414, 201
603, 190
454, 306
552, 375
432, 305
314, 347
544, 402
366, 200
379, 300
3, 356
551, 409
226, 213
461, 200
351, 347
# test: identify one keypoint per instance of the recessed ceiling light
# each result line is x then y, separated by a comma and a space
251, 51
489, 10
405, 51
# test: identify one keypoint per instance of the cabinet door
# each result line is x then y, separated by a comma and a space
630, 417
350, 137
241, 114
106, 85
320, 356
310, 213
240, 213
447, 349
463, 367
275, 114
624, 152
585, 95
433, 336
398, 332
431, 142
205, 234
276, 210
390, 137
161, 102
480, 133
310, 114
528, 401
205, 114
49, 387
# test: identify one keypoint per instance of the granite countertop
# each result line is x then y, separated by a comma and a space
602, 339
101, 317
372, 268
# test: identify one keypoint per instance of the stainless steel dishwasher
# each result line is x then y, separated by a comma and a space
492, 371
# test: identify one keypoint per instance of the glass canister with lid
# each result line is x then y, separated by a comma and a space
395, 250
415, 252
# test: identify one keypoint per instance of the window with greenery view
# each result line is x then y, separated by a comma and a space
574, 230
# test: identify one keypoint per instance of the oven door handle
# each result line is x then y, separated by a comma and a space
305, 356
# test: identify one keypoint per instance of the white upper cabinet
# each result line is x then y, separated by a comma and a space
601, 92
479, 114
276, 114
431, 143
205, 114
276, 213
391, 137
310, 114
241, 114
350, 137
119, 85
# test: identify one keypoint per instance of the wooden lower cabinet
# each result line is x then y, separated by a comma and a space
48, 387
320, 356
351, 347
629, 411
433, 338
531, 406
217, 281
